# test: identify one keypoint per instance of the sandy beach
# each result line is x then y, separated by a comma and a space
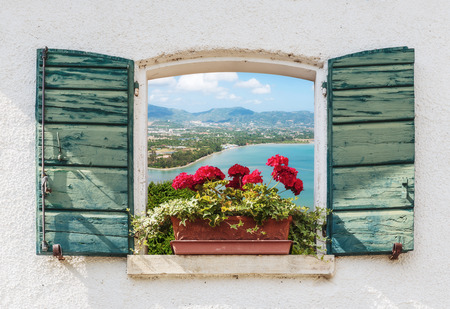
189, 164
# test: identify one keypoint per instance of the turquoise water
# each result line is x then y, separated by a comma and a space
301, 157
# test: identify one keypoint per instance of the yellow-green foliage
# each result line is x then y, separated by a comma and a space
160, 193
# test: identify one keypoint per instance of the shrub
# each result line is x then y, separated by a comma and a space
160, 193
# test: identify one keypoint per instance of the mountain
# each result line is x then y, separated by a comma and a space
163, 113
233, 115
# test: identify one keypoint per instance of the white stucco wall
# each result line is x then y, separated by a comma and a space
139, 30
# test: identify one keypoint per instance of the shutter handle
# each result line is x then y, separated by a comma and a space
60, 156
136, 89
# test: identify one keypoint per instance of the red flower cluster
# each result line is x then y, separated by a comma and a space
184, 181
277, 160
237, 172
207, 172
285, 174
297, 187
202, 175
254, 177
241, 176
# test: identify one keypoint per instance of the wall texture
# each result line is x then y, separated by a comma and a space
145, 29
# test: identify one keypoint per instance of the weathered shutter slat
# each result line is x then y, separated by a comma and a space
372, 231
373, 143
373, 76
85, 106
371, 151
87, 188
88, 152
88, 244
369, 187
69, 58
373, 104
92, 145
396, 55
85, 78
93, 222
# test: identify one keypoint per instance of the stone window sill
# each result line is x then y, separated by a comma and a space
229, 265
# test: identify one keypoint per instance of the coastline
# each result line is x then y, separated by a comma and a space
189, 164
205, 157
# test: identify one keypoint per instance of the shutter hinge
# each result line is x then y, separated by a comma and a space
396, 250
57, 252
136, 89
324, 89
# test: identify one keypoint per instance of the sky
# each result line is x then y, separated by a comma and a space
257, 92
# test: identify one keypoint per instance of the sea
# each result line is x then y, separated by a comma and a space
301, 157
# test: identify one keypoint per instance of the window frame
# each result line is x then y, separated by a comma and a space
316, 72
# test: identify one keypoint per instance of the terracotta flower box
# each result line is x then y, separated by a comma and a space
231, 237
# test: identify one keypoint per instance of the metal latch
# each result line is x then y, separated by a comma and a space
324, 89
136, 89
44, 185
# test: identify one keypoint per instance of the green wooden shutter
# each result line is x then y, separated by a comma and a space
89, 125
371, 151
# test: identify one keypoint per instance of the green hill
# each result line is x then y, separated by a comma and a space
233, 115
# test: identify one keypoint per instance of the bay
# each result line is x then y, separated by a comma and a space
301, 157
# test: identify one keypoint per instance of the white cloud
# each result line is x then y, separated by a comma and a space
198, 82
262, 90
205, 82
225, 76
165, 81
251, 83
157, 97
253, 102
224, 95
258, 88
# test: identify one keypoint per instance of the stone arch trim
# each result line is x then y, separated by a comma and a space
237, 60
191, 54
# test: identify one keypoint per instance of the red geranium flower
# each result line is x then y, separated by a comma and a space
298, 187
207, 172
285, 174
254, 177
238, 170
277, 160
184, 181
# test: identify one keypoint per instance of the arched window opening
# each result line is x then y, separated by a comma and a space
226, 118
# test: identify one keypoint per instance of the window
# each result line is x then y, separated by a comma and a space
89, 146
293, 69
